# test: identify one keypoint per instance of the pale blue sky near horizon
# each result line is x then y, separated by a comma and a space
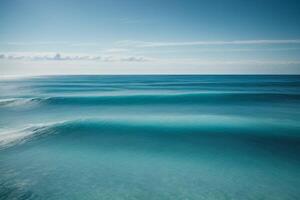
153, 36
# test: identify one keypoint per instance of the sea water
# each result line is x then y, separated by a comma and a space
150, 137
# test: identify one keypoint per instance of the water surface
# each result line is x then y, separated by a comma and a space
150, 137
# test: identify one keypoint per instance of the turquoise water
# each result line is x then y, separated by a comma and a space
150, 137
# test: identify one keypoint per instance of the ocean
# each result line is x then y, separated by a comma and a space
150, 137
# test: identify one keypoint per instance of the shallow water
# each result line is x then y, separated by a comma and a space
150, 137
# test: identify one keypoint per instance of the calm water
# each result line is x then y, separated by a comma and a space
150, 137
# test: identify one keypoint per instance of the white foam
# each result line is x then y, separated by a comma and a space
18, 102
11, 137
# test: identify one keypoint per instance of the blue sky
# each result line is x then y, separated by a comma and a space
154, 36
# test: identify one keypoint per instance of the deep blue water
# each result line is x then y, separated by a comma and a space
150, 137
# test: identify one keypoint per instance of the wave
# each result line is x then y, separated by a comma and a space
142, 99
184, 126
17, 102
10, 138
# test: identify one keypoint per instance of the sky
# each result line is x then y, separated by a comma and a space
42, 37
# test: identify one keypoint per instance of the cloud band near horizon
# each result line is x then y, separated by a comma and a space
134, 43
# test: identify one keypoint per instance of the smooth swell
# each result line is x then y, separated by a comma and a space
183, 125
185, 98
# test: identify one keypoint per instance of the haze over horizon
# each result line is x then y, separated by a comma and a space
149, 37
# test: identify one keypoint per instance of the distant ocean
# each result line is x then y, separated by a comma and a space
150, 137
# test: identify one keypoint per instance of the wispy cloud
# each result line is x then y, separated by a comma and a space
116, 50
130, 21
49, 56
132, 43
53, 43
236, 62
35, 43
247, 49
139, 44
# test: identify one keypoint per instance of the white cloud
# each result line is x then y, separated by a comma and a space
85, 44
132, 43
116, 50
223, 62
137, 43
133, 59
35, 43
70, 44
130, 21
50, 56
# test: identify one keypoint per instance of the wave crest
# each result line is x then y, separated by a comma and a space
144, 99
153, 126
